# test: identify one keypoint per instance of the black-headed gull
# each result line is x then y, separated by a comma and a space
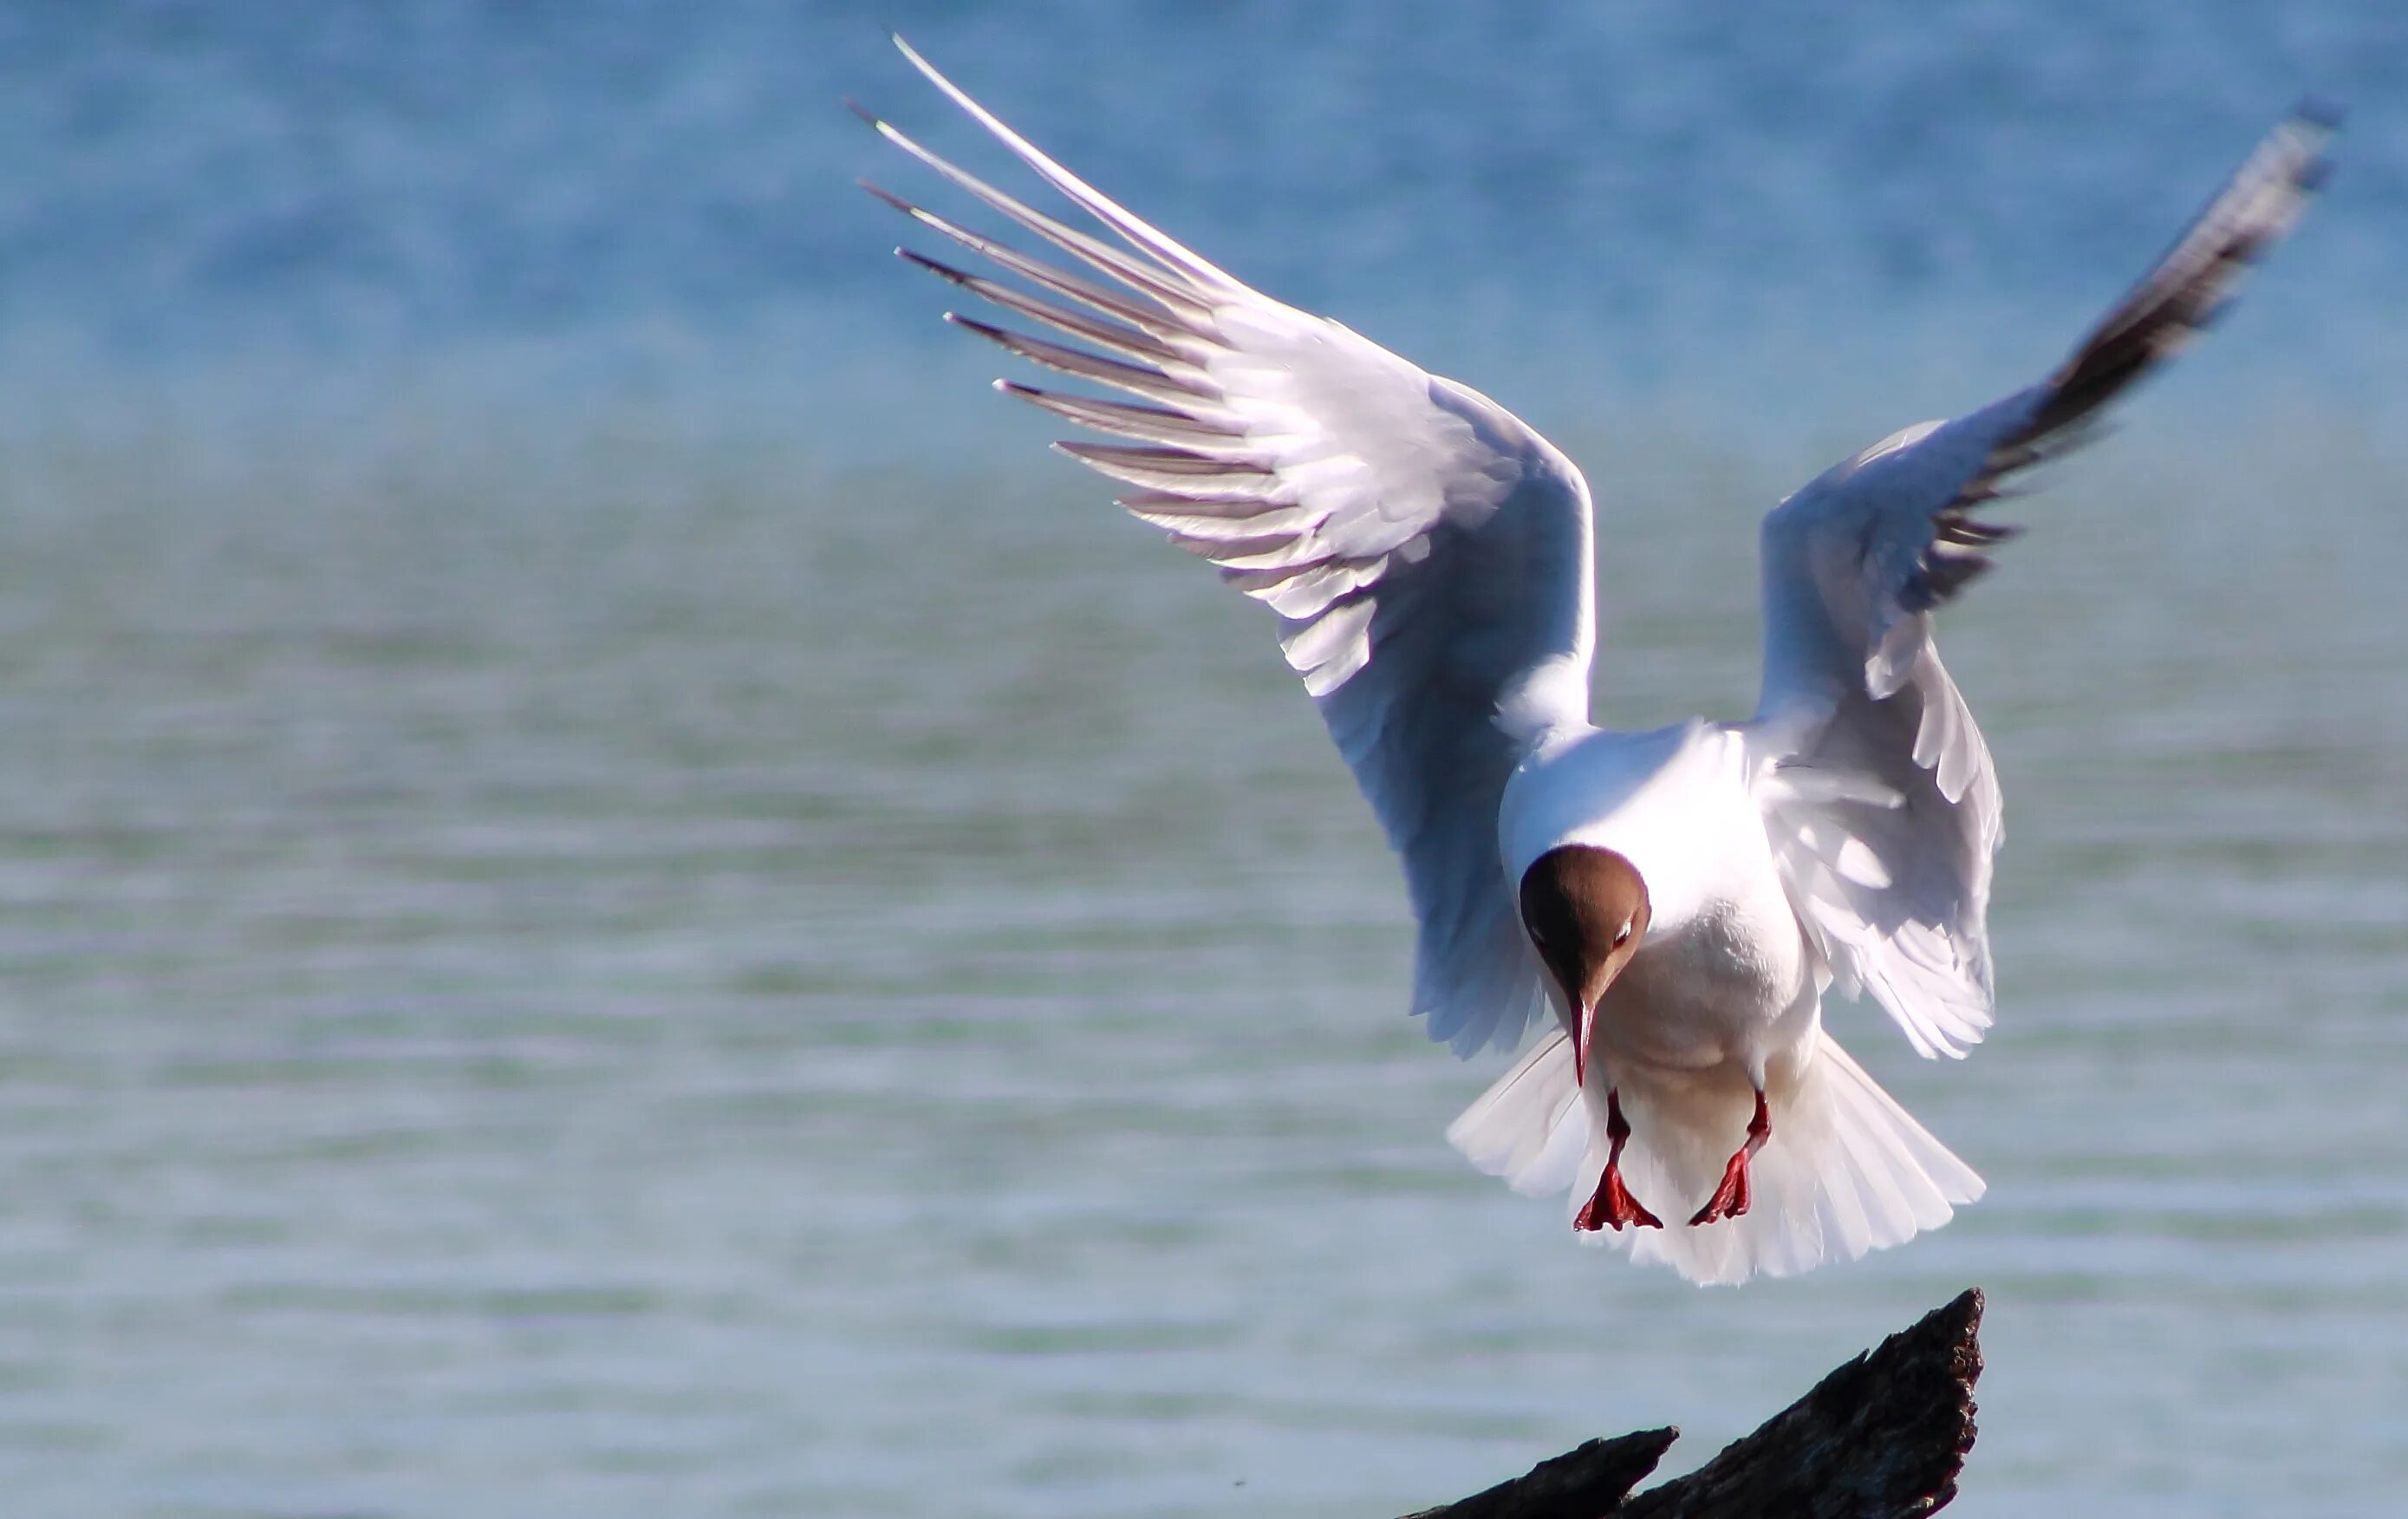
1683, 898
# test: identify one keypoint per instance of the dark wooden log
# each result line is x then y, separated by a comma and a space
1884, 1437
1590, 1480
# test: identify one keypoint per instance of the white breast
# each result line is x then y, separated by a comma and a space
1723, 975
1730, 986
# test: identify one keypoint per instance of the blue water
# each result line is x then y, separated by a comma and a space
622, 900
553, 205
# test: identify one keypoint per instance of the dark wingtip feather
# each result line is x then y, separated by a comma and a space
2321, 116
2187, 292
2196, 280
942, 271
1942, 576
889, 196
863, 111
1974, 533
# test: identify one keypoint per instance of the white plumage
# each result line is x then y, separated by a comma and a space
1428, 559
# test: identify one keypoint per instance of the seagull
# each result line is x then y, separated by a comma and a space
1682, 900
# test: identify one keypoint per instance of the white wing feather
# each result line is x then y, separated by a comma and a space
1880, 798
1427, 555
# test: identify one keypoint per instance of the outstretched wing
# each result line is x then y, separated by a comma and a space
1882, 804
1427, 555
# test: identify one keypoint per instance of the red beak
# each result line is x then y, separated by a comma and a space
1580, 1044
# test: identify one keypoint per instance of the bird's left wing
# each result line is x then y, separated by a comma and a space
1427, 554
1880, 803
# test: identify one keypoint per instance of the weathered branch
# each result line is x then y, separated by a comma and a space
1884, 1437
1578, 1484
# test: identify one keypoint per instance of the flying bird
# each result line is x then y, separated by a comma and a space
1674, 905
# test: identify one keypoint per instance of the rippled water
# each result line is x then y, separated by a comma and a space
576, 947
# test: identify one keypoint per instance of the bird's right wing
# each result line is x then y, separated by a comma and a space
1427, 554
1880, 803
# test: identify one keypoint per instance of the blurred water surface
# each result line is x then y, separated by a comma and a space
605, 917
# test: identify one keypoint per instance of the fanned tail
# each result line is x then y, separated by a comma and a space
1847, 1170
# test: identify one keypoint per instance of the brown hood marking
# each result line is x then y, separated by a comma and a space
1576, 901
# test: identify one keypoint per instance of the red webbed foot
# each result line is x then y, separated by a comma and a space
1730, 1199
1614, 1207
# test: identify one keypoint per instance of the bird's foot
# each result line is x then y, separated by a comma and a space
1731, 1199
1614, 1207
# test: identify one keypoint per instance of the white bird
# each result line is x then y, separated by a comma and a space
1682, 899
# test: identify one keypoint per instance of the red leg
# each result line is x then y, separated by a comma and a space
1614, 1206
1731, 1199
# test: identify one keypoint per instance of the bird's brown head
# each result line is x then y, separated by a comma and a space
1585, 911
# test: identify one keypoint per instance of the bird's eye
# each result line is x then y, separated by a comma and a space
1622, 935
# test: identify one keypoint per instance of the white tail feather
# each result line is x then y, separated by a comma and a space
1847, 1169
1528, 1127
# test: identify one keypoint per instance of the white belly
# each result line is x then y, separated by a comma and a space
1731, 988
